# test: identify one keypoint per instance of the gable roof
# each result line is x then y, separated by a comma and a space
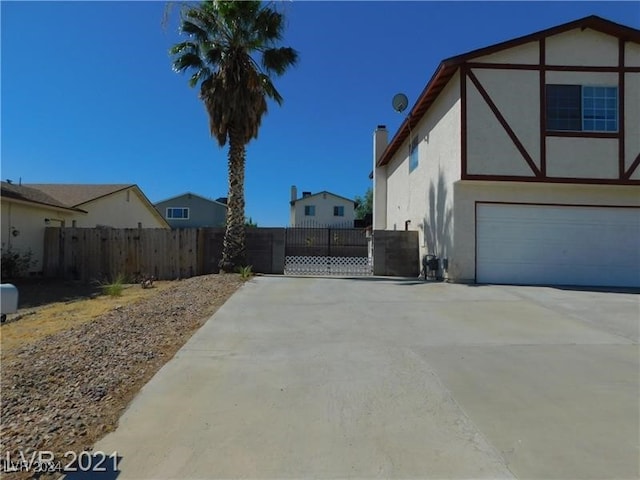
32, 195
448, 67
320, 193
76, 194
192, 194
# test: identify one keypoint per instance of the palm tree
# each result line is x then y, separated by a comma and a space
233, 53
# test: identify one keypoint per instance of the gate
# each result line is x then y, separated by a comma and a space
327, 251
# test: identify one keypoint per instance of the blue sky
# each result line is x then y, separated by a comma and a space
88, 94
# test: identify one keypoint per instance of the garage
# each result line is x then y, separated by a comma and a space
557, 245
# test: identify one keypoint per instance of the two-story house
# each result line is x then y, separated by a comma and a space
322, 210
519, 162
189, 210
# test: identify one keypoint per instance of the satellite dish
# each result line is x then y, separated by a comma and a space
399, 102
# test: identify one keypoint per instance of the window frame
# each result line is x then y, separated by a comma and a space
414, 154
309, 210
587, 108
338, 211
170, 216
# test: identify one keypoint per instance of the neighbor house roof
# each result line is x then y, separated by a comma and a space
32, 195
320, 193
194, 195
77, 194
449, 66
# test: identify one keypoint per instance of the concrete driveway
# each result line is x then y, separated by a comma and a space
387, 378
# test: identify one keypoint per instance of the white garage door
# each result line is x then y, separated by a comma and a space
533, 244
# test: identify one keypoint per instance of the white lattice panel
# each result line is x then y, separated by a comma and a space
308, 265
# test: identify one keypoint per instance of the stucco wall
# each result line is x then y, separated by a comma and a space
124, 209
324, 203
582, 47
582, 157
632, 54
29, 222
490, 150
528, 53
466, 193
425, 196
202, 212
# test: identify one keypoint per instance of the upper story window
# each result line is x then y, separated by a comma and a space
179, 213
309, 210
338, 211
413, 155
582, 108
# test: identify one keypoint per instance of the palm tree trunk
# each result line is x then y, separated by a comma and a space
233, 250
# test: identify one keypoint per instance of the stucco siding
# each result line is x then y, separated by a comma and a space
467, 193
324, 217
124, 209
632, 54
424, 196
632, 118
582, 157
529, 54
29, 221
583, 48
515, 94
582, 78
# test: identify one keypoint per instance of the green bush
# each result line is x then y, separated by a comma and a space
245, 272
16, 264
115, 288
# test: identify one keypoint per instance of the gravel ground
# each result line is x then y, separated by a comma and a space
65, 392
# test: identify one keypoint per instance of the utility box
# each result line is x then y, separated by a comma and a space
8, 299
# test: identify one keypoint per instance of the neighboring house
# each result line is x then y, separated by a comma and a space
28, 209
518, 164
322, 209
25, 212
191, 210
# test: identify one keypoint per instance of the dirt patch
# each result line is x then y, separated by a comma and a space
65, 390
35, 292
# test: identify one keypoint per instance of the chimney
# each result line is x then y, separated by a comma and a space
380, 142
306, 194
294, 193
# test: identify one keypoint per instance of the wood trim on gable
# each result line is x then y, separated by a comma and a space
632, 169
463, 120
514, 138
621, 101
543, 107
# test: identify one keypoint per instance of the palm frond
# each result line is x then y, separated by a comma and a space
199, 75
194, 30
268, 26
278, 60
184, 47
187, 61
270, 89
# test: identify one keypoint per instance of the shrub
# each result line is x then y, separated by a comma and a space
245, 272
16, 264
115, 288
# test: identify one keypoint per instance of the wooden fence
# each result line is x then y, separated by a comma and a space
102, 254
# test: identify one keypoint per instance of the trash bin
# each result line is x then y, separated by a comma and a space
8, 300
